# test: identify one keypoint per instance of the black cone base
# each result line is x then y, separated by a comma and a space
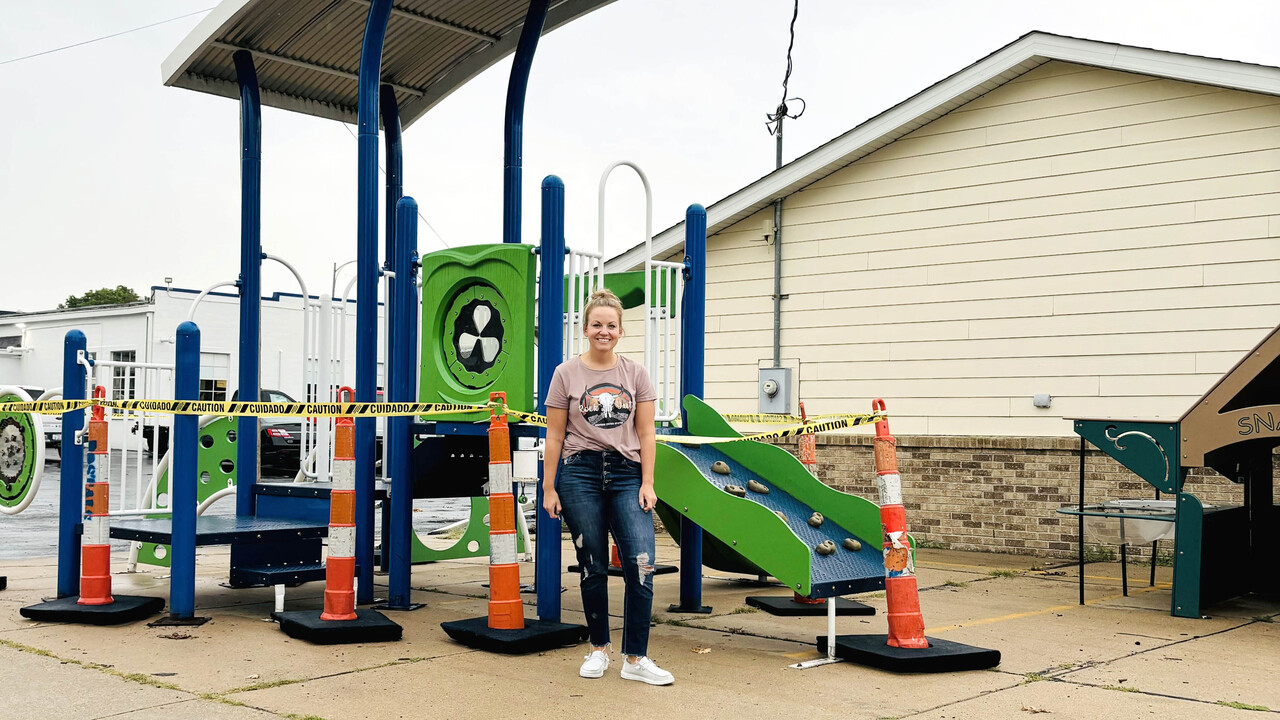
126, 608
788, 607
368, 626
4, 582
940, 656
535, 636
617, 571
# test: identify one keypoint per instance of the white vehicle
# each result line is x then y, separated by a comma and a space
52, 423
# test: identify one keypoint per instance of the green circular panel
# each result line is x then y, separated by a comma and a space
18, 439
474, 336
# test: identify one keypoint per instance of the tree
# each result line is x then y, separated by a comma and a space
102, 296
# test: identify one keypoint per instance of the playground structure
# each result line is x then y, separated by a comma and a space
1234, 428
470, 335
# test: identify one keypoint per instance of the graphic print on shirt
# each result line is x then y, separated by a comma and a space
606, 405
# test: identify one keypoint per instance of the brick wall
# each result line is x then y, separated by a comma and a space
999, 494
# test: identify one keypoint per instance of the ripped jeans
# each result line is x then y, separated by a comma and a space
600, 491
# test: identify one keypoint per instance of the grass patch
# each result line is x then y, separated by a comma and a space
455, 533
1263, 618
955, 584
927, 544
265, 685
743, 610
1099, 553
1004, 573
1032, 677
1163, 558
1121, 688
1244, 706
294, 716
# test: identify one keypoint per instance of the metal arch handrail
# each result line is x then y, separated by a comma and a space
191, 314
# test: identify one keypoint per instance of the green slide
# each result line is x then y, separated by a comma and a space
766, 533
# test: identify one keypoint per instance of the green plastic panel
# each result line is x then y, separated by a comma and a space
19, 447
760, 537
629, 287
1148, 449
477, 326
1187, 556
477, 532
215, 470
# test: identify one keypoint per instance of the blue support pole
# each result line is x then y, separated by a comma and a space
375, 31
550, 350
693, 328
182, 478
513, 123
71, 484
249, 350
401, 377
394, 191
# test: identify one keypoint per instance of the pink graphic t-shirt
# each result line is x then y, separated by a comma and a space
601, 405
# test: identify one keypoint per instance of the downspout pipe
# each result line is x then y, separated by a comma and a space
777, 255
250, 346
513, 123
375, 32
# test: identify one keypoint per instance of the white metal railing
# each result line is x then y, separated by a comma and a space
663, 292
149, 380
585, 273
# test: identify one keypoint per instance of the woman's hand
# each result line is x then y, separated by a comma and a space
551, 503
647, 498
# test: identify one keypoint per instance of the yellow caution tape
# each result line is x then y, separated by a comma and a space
846, 421
392, 409
782, 419
46, 407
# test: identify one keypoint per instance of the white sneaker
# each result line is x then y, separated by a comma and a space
594, 665
645, 671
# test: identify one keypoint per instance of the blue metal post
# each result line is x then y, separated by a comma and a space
375, 31
182, 478
693, 327
250, 277
71, 484
550, 350
513, 124
400, 380
394, 191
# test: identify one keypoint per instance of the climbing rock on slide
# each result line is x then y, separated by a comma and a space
782, 515
720, 467
852, 544
757, 487
826, 547
816, 520
735, 490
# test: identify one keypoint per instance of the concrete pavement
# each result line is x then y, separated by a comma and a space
1113, 657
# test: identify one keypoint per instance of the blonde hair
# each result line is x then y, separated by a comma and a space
603, 298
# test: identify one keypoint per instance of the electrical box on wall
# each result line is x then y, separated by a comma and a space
775, 390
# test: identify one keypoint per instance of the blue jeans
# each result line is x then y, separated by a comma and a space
600, 492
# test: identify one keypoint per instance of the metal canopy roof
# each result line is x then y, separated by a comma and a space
307, 52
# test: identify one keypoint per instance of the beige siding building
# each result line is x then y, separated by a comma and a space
1090, 221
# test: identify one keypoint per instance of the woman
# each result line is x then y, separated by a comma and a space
600, 444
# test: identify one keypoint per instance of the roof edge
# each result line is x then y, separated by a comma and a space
1035, 46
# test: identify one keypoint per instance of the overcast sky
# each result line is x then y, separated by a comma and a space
107, 177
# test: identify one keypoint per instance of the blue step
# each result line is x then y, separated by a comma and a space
221, 530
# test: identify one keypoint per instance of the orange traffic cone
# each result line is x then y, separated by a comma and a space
340, 567
95, 551
506, 609
906, 624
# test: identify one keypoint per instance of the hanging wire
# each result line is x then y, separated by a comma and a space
774, 119
104, 37
420, 215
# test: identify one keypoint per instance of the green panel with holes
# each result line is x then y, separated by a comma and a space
215, 470
477, 326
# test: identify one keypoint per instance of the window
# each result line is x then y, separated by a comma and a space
124, 379
213, 389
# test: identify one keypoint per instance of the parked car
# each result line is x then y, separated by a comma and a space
52, 423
